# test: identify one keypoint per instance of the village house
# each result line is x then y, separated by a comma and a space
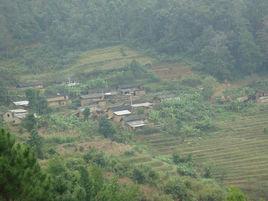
21, 104
15, 116
111, 95
132, 90
93, 99
134, 122
118, 112
243, 99
57, 101
35, 85
262, 96
145, 105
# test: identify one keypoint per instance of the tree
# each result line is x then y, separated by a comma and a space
20, 177
106, 128
4, 98
29, 123
86, 113
235, 194
37, 102
36, 142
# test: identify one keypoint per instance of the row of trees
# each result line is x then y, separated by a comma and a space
224, 37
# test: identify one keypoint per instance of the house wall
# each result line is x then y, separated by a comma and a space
110, 114
140, 93
87, 102
57, 103
9, 118
102, 105
117, 118
263, 99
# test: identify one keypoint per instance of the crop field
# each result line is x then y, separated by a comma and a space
108, 58
94, 60
237, 152
156, 164
172, 71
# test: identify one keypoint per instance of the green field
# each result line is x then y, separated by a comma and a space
94, 60
237, 152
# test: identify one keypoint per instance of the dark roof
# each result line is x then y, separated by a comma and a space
134, 118
120, 108
23, 85
91, 96
122, 87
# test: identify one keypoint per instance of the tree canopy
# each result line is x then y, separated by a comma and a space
224, 37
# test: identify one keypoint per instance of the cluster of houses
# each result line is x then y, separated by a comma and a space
258, 97
124, 105
15, 116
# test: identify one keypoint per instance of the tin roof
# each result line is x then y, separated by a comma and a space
21, 103
18, 111
91, 96
122, 112
146, 104
136, 124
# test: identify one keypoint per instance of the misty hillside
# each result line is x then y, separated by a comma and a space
133, 100
223, 38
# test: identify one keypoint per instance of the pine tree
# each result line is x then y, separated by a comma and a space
35, 141
20, 175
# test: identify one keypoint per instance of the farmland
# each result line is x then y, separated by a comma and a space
171, 71
237, 152
102, 59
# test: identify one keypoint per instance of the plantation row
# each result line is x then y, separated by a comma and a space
237, 151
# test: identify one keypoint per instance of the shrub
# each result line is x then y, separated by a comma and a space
186, 170
176, 158
235, 194
144, 174
177, 189
96, 157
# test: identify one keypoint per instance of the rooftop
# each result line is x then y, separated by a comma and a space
136, 124
112, 93
20, 115
135, 117
146, 104
21, 103
122, 112
90, 96
18, 111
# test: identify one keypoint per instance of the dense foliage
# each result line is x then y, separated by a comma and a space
185, 115
21, 178
224, 37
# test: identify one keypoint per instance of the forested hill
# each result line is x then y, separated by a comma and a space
224, 38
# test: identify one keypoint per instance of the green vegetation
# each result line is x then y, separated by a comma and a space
37, 102
236, 152
222, 43
185, 115
20, 177
202, 65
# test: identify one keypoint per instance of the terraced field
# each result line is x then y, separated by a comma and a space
172, 71
99, 59
238, 151
156, 164
108, 58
